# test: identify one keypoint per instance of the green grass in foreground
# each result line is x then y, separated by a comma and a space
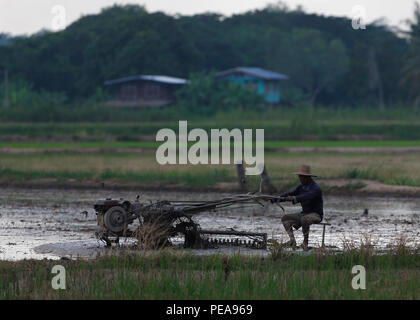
170, 275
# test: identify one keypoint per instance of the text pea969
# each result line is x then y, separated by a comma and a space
220, 309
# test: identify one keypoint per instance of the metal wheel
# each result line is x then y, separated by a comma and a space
115, 219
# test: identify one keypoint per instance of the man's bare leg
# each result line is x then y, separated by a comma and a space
305, 230
306, 221
288, 221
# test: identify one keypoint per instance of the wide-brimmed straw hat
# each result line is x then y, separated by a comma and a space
305, 171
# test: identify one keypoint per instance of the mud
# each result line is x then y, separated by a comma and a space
47, 223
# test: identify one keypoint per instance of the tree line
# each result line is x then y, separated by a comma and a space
328, 62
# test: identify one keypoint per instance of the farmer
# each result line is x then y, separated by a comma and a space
309, 195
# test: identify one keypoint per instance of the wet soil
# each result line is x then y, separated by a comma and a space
47, 223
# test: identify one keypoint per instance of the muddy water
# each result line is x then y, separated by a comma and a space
43, 223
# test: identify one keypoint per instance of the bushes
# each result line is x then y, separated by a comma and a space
205, 95
22, 93
26, 104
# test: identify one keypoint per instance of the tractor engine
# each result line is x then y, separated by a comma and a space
114, 217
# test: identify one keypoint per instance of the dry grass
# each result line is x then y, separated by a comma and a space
336, 165
402, 245
151, 236
391, 168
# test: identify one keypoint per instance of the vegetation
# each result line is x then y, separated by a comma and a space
205, 95
315, 61
53, 73
305, 123
411, 71
54, 129
131, 168
170, 275
102, 146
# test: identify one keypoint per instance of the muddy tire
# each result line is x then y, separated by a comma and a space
115, 219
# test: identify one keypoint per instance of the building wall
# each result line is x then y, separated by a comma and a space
269, 89
145, 91
143, 94
272, 91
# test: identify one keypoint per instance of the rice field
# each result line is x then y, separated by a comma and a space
349, 144
270, 144
279, 125
142, 168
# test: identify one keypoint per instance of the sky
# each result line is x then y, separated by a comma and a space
18, 17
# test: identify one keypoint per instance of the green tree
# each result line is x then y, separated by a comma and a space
127, 40
314, 60
411, 71
205, 95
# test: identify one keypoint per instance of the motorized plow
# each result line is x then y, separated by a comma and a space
161, 221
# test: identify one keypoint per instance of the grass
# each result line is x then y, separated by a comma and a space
269, 145
72, 145
356, 173
142, 168
284, 128
164, 178
344, 144
276, 128
171, 275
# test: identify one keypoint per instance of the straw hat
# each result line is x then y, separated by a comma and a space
305, 171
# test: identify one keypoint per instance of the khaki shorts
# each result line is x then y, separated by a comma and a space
298, 219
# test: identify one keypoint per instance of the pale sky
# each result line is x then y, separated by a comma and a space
19, 17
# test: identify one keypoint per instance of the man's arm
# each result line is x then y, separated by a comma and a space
291, 193
311, 194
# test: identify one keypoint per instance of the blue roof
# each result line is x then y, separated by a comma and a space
255, 72
159, 79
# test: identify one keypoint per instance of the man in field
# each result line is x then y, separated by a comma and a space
309, 195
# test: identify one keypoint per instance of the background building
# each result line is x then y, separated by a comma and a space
265, 82
144, 90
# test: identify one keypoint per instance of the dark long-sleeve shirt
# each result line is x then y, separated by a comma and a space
310, 197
